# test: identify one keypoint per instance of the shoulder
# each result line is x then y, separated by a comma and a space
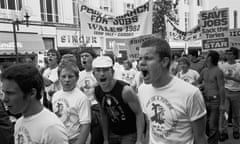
183, 87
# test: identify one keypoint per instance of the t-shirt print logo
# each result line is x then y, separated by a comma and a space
159, 113
23, 137
163, 116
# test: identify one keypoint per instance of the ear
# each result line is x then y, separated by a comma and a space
165, 61
33, 94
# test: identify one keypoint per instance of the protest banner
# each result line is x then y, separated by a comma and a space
134, 23
234, 38
135, 43
173, 32
215, 28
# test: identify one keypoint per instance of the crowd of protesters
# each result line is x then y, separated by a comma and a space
161, 98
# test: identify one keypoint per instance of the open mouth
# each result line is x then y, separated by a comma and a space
103, 79
84, 62
144, 73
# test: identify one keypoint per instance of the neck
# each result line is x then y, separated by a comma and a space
34, 107
52, 66
162, 81
110, 86
88, 68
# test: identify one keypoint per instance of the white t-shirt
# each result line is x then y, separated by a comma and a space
190, 76
73, 108
232, 70
87, 83
170, 111
41, 128
52, 75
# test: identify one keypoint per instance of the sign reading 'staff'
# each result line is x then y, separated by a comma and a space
134, 23
215, 28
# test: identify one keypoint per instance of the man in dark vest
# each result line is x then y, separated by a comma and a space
122, 117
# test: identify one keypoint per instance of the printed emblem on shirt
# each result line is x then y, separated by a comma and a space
87, 85
59, 105
22, 136
113, 108
67, 114
163, 117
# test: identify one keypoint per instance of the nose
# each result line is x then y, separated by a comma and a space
142, 62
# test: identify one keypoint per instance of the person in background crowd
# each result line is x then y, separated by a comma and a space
174, 68
128, 73
122, 117
212, 80
189, 75
51, 77
87, 83
175, 109
197, 62
23, 87
231, 71
71, 105
138, 80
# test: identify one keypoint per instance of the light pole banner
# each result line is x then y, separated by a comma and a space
234, 38
134, 23
215, 28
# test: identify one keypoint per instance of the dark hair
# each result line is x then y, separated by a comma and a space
26, 76
185, 60
129, 63
56, 52
214, 57
88, 50
193, 53
162, 48
234, 51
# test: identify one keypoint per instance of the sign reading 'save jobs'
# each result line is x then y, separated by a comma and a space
215, 28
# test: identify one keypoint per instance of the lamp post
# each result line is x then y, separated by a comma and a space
15, 23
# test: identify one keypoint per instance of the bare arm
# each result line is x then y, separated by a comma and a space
199, 126
130, 97
220, 82
84, 132
105, 128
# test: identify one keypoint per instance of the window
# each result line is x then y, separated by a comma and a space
11, 4
49, 10
106, 5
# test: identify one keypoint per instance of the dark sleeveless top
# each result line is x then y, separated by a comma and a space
122, 120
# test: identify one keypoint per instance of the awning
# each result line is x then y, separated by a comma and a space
26, 43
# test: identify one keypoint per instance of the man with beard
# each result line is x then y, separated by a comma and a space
122, 117
86, 83
175, 109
